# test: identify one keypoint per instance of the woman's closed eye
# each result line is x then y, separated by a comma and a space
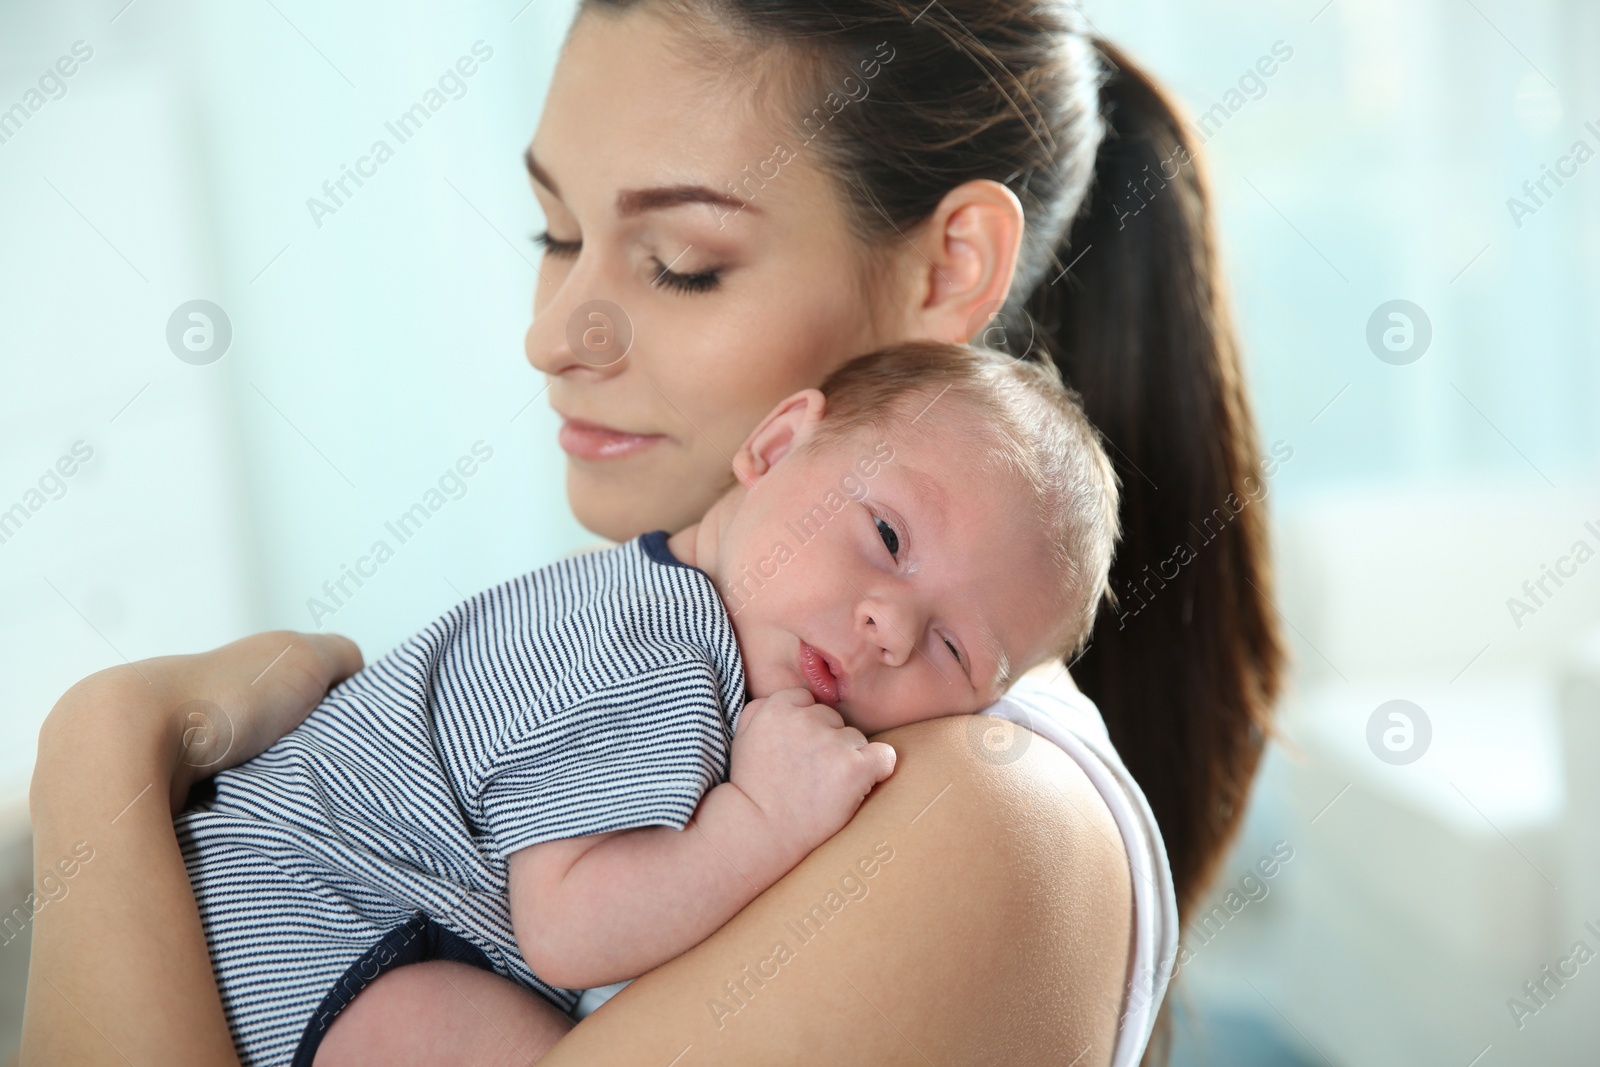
700, 282
554, 246
661, 275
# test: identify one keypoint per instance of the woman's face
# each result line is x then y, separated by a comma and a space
712, 236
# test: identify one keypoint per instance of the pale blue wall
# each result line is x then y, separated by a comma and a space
375, 349
1390, 141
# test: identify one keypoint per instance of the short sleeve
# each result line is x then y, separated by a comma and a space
641, 752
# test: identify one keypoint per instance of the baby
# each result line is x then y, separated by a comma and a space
513, 788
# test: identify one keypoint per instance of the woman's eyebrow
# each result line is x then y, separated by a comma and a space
637, 201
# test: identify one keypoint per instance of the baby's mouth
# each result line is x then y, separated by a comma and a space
820, 679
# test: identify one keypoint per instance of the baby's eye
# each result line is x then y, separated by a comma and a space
952, 649
891, 540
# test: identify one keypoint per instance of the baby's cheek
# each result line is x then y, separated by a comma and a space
880, 713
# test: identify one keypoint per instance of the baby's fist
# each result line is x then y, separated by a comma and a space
803, 767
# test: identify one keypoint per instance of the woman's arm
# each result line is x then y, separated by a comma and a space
119, 971
970, 913
978, 913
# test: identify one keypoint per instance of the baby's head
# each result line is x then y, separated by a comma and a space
905, 541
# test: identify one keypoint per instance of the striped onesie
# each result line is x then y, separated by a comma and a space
600, 693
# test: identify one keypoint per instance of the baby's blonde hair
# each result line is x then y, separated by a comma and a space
1040, 432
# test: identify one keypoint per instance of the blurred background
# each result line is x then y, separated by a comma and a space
1416, 296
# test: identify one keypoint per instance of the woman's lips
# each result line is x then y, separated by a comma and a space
819, 675
586, 440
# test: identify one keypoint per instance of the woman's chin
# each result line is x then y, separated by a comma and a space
613, 505
596, 507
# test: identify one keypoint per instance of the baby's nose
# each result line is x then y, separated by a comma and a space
891, 630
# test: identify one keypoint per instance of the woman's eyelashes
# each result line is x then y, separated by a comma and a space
700, 282
554, 246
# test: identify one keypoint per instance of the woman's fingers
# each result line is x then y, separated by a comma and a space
307, 663
295, 667
342, 655
218, 708
265, 685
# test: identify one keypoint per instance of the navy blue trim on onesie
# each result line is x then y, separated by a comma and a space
415, 941
654, 544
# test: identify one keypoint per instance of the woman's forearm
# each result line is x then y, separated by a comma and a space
119, 970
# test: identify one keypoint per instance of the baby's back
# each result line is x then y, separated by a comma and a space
598, 693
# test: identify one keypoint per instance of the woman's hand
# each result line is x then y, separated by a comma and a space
202, 712
119, 970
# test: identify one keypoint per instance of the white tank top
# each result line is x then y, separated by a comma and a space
1048, 703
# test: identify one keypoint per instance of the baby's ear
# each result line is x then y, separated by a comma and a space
786, 427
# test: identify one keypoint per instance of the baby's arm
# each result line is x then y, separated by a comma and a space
593, 910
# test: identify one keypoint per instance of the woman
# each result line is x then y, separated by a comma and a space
757, 190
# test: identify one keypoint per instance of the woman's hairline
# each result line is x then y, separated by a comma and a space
774, 94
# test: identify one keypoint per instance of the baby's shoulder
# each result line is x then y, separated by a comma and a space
617, 598
596, 622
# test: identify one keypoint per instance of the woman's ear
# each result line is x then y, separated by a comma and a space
968, 255
785, 427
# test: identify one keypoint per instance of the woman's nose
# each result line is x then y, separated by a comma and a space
579, 334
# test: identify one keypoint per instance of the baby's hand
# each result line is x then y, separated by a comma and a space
803, 767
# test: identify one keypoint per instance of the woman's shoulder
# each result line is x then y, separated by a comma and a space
984, 906
1051, 706
1022, 856
990, 785
1041, 760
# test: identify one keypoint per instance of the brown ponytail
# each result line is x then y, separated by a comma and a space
1187, 665
1117, 282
